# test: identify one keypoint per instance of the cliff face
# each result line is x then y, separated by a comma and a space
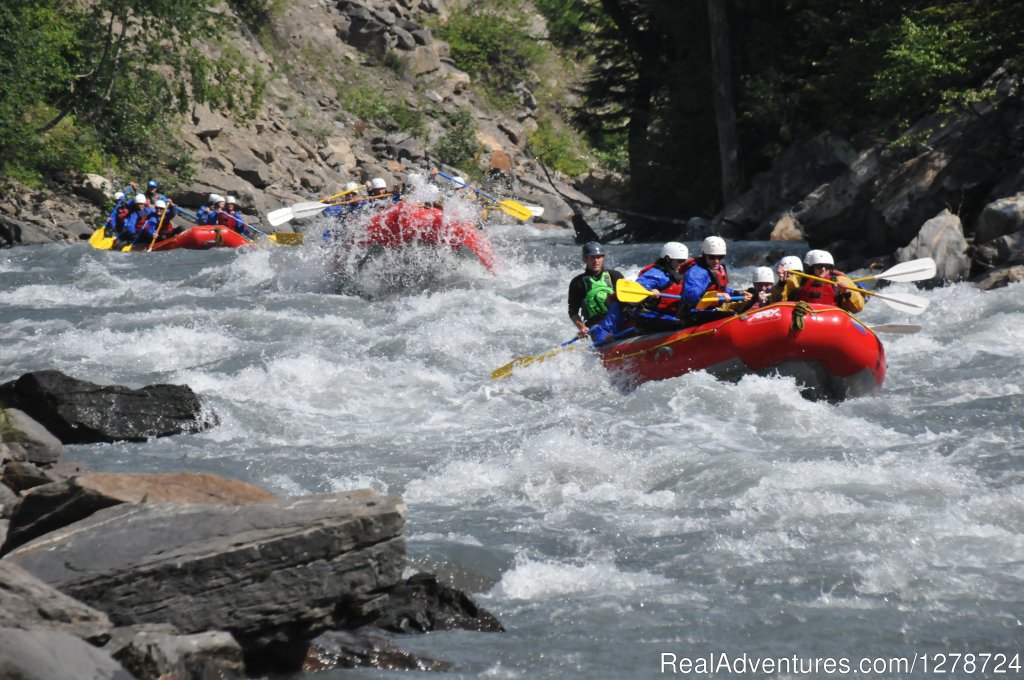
356, 89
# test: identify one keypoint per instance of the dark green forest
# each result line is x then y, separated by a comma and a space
689, 98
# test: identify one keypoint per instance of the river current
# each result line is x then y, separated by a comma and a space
615, 534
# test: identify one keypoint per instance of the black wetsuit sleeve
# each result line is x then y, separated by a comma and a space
576, 294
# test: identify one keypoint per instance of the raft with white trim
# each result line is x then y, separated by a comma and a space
830, 353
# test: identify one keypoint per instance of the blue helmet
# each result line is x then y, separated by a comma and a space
152, 184
592, 249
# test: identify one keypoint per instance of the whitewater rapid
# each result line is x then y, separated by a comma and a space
604, 528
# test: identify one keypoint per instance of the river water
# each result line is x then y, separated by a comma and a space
615, 534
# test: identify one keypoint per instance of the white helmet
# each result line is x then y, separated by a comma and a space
351, 186
763, 275
713, 245
791, 263
213, 198
119, 195
140, 199
378, 183
674, 250
461, 181
160, 204
231, 200
814, 257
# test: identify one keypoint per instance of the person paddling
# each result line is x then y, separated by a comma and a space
839, 291
148, 229
230, 217
760, 290
591, 292
659, 311
788, 282
126, 229
207, 214
709, 275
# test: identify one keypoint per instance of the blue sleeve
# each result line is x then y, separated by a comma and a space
654, 279
695, 283
608, 325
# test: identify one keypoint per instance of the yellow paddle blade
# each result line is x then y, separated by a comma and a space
343, 193
515, 209
100, 241
630, 292
286, 238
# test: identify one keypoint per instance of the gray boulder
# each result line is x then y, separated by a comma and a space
155, 655
29, 441
54, 655
281, 571
942, 239
1005, 216
28, 603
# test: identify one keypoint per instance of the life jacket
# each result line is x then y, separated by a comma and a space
819, 292
666, 305
230, 219
595, 301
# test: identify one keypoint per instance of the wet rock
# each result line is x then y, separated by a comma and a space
364, 648
1000, 277
422, 604
1005, 250
80, 412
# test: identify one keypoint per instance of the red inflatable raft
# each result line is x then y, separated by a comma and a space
829, 352
404, 223
202, 238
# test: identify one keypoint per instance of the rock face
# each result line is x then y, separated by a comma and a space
268, 572
879, 199
80, 412
332, 62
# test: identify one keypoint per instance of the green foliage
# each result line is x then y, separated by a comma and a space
97, 84
459, 146
554, 146
373, 104
488, 41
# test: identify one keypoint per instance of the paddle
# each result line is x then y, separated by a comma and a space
99, 239
904, 272
159, 225
310, 209
343, 193
297, 211
910, 304
509, 207
631, 292
519, 362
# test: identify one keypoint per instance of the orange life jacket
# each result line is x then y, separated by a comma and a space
819, 292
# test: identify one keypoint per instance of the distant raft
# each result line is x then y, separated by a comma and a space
408, 222
829, 352
193, 238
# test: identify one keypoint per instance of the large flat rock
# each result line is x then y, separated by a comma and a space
268, 572
28, 603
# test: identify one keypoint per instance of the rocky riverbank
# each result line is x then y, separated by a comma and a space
951, 188
189, 575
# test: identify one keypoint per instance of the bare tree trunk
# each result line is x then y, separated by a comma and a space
725, 104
